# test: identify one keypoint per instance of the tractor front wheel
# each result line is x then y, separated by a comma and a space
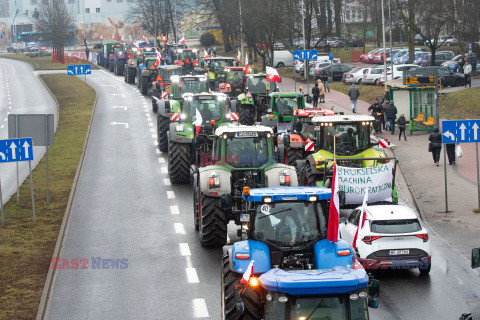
111, 66
144, 86
119, 70
292, 156
246, 115
179, 162
163, 124
230, 283
213, 222
130, 75
309, 178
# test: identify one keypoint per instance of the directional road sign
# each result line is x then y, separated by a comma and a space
470, 47
305, 55
330, 56
460, 131
76, 70
14, 150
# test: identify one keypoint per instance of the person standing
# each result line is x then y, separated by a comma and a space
467, 71
435, 139
402, 122
450, 152
315, 94
391, 114
386, 97
461, 64
353, 93
322, 92
324, 79
214, 51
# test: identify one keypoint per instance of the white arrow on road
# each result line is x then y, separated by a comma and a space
450, 135
119, 107
13, 146
463, 128
25, 146
475, 129
120, 123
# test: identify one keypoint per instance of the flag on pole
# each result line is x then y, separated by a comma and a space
113, 36
164, 40
146, 40
272, 75
206, 55
239, 55
101, 38
198, 121
334, 213
246, 64
159, 57
122, 38
248, 273
182, 41
361, 222
130, 37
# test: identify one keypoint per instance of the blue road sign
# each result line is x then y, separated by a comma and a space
14, 150
330, 56
76, 70
470, 47
460, 131
305, 54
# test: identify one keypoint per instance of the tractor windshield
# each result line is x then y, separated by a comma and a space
188, 86
249, 152
286, 106
150, 64
165, 74
235, 78
220, 63
259, 85
308, 129
287, 224
202, 110
190, 55
351, 138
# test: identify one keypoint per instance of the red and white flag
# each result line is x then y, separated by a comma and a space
205, 54
101, 38
361, 223
248, 273
146, 40
164, 39
182, 41
246, 64
113, 36
159, 57
198, 121
272, 75
334, 213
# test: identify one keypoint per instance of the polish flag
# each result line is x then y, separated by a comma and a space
146, 40
101, 38
363, 217
334, 213
246, 64
248, 273
182, 41
272, 75
159, 57
198, 121
239, 55
113, 36
130, 38
206, 55
164, 39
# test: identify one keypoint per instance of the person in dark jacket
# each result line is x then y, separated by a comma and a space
402, 123
353, 93
391, 114
450, 152
461, 64
435, 145
377, 112
315, 94
324, 79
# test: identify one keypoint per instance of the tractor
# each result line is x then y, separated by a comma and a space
138, 56
187, 58
232, 81
173, 102
213, 67
253, 104
345, 138
242, 156
121, 52
162, 83
199, 114
286, 268
300, 139
146, 73
103, 59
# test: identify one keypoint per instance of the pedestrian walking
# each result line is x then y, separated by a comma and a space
87, 52
353, 93
402, 123
467, 71
450, 152
376, 109
435, 145
391, 113
324, 79
315, 94
461, 64
209, 51
322, 92
214, 51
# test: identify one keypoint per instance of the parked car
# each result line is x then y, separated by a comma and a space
447, 77
392, 237
397, 72
422, 58
402, 57
282, 58
355, 41
335, 42
336, 71
316, 66
32, 47
441, 57
365, 57
378, 58
418, 40
445, 40
317, 43
372, 76
355, 75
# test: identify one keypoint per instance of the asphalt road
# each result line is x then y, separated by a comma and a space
21, 93
125, 208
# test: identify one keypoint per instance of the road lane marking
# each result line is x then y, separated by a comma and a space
150, 124
161, 160
179, 228
192, 276
119, 107
109, 85
184, 249
170, 194
165, 170
120, 123
189, 262
174, 210
166, 181
2, 126
200, 308
154, 136
118, 94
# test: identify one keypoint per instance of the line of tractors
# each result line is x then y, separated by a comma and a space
245, 147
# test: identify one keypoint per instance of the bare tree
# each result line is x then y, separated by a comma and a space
55, 20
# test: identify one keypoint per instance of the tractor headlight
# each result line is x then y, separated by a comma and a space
284, 178
312, 198
179, 127
228, 116
183, 116
382, 155
267, 199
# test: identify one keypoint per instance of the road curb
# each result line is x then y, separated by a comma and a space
47, 288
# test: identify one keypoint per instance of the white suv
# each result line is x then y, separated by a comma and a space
392, 237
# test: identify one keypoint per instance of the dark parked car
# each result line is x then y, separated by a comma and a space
355, 41
447, 77
441, 57
336, 71
418, 40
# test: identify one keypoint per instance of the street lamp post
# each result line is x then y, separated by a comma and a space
391, 44
241, 32
384, 49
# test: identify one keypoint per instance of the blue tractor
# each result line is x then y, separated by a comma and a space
297, 273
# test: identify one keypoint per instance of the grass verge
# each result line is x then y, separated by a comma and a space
45, 63
26, 250
367, 93
460, 105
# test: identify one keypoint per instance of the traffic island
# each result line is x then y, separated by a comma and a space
46, 62
25, 249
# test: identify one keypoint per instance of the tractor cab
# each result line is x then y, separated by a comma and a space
232, 81
187, 58
171, 48
162, 83
213, 67
257, 84
187, 84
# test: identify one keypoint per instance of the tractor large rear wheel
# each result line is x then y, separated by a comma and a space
179, 155
130, 75
111, 66
213, 222
229, 281
143, 86
292, 156
246, 115
120, 67
163, 124
309, 178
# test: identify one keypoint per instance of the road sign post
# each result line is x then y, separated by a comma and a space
76, 70
15, 150
305, 55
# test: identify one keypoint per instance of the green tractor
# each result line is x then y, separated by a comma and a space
242, 158
213, 67
162, 83
200, 114
137, 58
187, 58
348, 136
146, 73
253, 104
103, 59
173, 102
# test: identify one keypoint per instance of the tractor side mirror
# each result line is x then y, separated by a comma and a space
475, 258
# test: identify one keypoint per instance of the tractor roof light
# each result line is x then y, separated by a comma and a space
225, 136
246, 190
245, 226
269, 135
253, 282
212, 122
267, 199
312, 198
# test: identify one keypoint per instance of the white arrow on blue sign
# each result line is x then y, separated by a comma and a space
305, 54
460, 131
14, 150
76, 70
